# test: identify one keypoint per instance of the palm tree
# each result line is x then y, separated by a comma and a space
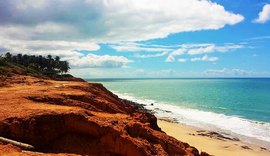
8, 56
64, 67
25, 60
57, 58
49, 57
47, 65
57, 64
19, 58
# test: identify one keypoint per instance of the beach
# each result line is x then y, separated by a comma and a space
235, 108
135, 78
243, 104
210, 142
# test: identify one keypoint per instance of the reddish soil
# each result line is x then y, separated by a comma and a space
80, 118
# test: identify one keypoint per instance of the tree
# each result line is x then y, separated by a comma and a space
2, 61
14, 59
47, 65
57, 64
57, 58
25, 60
19, 58
41, 62
49, 57
8, 56
64, 67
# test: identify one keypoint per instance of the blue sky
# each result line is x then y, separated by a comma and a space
143, 38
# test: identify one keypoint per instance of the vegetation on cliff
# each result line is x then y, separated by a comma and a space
33, 65
72, 118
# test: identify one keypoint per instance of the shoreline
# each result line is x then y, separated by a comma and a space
209, 141
153, 107
77, 118
204, 139
212, 142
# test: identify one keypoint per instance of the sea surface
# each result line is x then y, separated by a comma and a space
234, 107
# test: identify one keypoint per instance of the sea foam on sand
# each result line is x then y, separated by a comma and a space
247, 130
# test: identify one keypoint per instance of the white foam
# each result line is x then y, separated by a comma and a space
235, 126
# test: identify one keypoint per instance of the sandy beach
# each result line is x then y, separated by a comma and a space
211, 142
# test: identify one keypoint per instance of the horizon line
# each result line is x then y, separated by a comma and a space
180, 78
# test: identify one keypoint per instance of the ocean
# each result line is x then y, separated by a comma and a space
234, 107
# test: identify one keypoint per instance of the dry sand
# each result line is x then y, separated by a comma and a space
211, 144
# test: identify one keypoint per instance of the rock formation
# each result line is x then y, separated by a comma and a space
78, 118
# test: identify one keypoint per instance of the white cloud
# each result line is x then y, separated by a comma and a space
170, 59
177, 52
214, 48
107, 21
162, 73
264, 15
67, 50
229, 47
151, 55
202, 48
123, 73
182, 60
204, 58
136, 47
259, 38
198, 45
228, 72
162, 17
97, 61
39, 47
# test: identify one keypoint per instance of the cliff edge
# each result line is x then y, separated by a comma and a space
77, 118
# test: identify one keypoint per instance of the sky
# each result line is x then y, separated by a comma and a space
143, 38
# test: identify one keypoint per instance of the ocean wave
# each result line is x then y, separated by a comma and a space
234, 126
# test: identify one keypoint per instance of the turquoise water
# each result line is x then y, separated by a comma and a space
234, 106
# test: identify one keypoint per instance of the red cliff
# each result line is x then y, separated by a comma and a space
72, 117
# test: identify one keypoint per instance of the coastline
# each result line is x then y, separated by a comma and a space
210, 141
161, 111
48, 117
139, 129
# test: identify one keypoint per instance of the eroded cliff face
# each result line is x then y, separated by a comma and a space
66, 118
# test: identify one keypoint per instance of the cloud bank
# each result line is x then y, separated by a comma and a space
199, 49
151, 55
109, 20
204, 58
65, 27
228, 72
98, 61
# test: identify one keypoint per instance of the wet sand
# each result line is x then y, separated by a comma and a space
211, 142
